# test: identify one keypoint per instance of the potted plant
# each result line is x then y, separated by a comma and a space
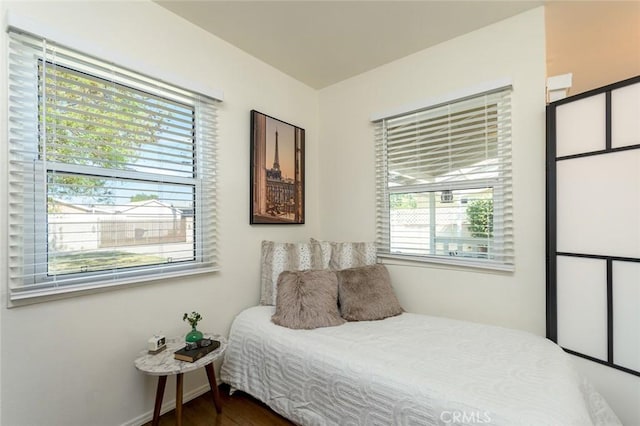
194, 318
480, 217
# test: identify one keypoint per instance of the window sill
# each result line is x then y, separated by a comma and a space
25, 297
445, 263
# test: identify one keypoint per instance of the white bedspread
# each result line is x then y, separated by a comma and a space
408, 370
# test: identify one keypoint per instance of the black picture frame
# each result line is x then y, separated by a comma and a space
277, 171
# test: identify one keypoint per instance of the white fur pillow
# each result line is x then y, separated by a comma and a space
307, 299
343, 255
277, 257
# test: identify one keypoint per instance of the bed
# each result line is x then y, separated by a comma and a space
331, 345
408, 370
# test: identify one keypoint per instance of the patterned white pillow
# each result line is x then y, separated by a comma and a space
278, 257
343, 255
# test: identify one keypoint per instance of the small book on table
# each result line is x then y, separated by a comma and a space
192, 355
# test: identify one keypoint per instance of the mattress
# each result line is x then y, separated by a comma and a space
408, 370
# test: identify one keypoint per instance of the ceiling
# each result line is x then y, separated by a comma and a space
323, 42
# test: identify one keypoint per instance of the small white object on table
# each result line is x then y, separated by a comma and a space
163, 364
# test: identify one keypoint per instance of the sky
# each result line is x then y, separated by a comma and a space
286, 145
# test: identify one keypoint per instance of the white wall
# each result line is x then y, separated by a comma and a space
513, 48
79, 369
70, 362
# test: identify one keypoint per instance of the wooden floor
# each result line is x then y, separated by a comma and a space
237, 409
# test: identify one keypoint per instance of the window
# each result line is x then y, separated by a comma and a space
444, 182
111, 174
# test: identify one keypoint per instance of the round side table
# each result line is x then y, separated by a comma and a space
163, 364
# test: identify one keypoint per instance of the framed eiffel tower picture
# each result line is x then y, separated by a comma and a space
277, 171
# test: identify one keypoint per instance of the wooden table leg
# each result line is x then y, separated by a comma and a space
211, 375
162, 381
179, 378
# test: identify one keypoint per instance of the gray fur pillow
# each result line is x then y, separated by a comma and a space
307, 299
365, 294
277, 257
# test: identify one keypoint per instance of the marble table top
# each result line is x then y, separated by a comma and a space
164, 364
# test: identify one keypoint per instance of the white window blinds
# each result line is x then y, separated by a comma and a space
444, 182
112, 174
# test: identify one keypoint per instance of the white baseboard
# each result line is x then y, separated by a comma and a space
168, 406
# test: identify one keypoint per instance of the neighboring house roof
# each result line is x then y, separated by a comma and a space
147, 206
80, 207
146, 203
